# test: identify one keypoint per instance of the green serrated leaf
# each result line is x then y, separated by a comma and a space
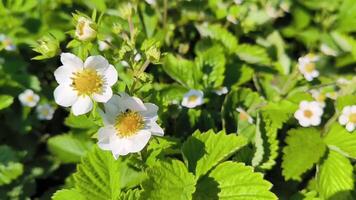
66, 194
220, 34
182, 70
304, 148
68, 148
98, 176
234, 181
340, 140
169, 180
131, 195
335, 178
253, 54
203, 151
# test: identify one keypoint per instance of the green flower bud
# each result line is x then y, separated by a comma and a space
47, 46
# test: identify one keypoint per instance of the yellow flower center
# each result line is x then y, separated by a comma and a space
310, 67
192, 98
352, 118
308, 113
29, 98
128, 123
87, 82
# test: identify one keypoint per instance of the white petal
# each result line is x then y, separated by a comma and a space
315, 73
137, 142
118, 147
343, 119
64, 95
298, 114
104, 137
71, 61
98, 63
132, 103
350, 127
315, 121
151, 110
353, 109
103, 97
303, 104
63, 74
110, 75
112, 108
83, 105
304, 122
155, 129
347, 110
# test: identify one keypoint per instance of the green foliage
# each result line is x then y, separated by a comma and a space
97, 176
5, 101
334, 178
68, 148
203, 151
253, 54
169, 180
235, 181
340, 140
66, 194
10, 168
304, 148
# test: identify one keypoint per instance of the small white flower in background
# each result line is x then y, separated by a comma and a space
238, 2
7, 43
318, 97
244, 116
193, 98
325, 49
231, 19
45, 112
332, 95
84, 31
348, 117
137, 57
80, 83
221, 91
124, 63
307, 67
104, 44
128, 125
29, 98
309, 113
151, 2
342, 81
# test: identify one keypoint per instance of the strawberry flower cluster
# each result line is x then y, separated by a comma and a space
128, 122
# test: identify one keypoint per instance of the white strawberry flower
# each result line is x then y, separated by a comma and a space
319, 97
222, 90
81, 83
307, 67
151, 2
104, 44
128, 125
348, 117
83, 30
45, 112
7, 43
244, 116
309, 113
193, 98
29, 98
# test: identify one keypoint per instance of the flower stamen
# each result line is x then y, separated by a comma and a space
87, 82
128, 123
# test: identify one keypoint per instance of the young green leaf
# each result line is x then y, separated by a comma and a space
169, 180
203, 151
335, 178
5, 101
98, 176
234, 181
66, 194
68, 148
304, 148
340, 140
